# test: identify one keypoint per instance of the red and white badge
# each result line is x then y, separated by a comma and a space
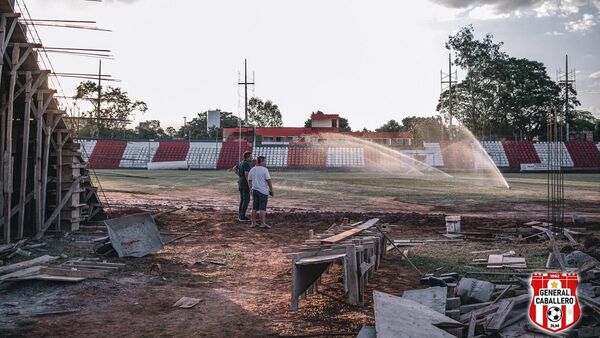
554, 306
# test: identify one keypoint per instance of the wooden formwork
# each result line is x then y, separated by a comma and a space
356, 247
43, 179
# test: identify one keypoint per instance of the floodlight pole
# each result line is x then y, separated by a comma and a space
245, 84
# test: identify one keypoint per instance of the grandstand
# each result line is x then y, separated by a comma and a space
507, 156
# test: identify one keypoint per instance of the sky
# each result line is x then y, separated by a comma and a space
369, 61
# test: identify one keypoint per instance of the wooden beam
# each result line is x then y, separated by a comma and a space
39, 207
58, 209
24, 156
58, 177
45, 160
352, 232
7, 151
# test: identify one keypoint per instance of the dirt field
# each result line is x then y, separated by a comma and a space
248, 293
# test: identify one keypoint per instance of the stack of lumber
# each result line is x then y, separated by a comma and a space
70, 271
357, 247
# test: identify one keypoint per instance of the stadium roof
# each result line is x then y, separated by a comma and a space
324, 116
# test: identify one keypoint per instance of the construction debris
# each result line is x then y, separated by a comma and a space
398, 317
70, 271
187, 302
134, 235
357, 248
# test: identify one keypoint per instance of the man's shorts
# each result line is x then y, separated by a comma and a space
259, 200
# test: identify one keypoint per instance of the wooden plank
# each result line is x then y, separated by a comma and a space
24, 155
52, 278
351, 275
73, 272
504, 308
26, 264
7, 150
21, 273
58, 209
349, 233
319, 259
472, 324
434, 297
404, 318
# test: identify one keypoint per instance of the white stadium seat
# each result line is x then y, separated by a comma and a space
433, 154
543, 148
345, 157
496, 152
203, 155
138, 154
87, 146
277, 157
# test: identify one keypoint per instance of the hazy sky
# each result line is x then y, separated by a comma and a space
370, 61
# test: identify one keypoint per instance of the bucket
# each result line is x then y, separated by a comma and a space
453, 224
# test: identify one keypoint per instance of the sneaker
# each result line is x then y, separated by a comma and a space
253, 225
244, 219
266, 226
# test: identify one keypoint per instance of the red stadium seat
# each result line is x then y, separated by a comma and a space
232, 152
171, 151
107, 154
584, 154
519, 152
307, 156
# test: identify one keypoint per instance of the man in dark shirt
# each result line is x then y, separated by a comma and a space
242, 169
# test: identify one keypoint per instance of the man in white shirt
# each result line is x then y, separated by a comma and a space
259, 181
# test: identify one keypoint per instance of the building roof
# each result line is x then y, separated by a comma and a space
380, 134
324, 116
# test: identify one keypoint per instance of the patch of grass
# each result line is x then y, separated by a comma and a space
461, 189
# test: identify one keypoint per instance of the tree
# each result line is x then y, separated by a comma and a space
197, 126
264, 114
116, 110
344, 125
150, 129
171, 132
501, 95
424, 129
391, 125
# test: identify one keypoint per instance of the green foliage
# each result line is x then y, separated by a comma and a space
424, 129
116, 109
197, 126
264, 114
501, 96
150, 130
391, 125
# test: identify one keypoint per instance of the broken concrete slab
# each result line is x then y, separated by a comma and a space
403, 318
187, 302
470, 289
578, 258
367, 332
434, 297
134, 235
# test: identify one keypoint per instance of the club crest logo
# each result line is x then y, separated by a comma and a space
554, 306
